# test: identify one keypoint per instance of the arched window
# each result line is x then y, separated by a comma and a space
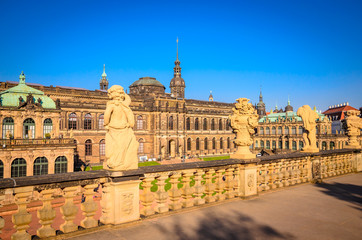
40, 166
196, 124
227, 124
29, 128
197, 144
72, 121
261, 143
220, 124
139, 122
256, 144
221, 143
300, 130
1, 169
101, 121
280, 144
286, 130
88, 121
294, 130
286, 144
212, 124
324, 145
331, 145
274, 145
267, 144
8, 127
141, 145
102, 148
88, 147
274, 130
189, 144
61, 165
228, 142
47, 127
18, 168
205, 143
279, 130
261, 131
170, 123
205, 124
213, 143
294, 145
267, 131
188, 124
301, 144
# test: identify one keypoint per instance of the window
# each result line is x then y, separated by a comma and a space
205, 143
188, 124
170, 123
8, 127
29, 128
18, 168
261, 143
280, 144
301, 144
1, 169
331, 145
274, 145
221, 143
88, 147
324, 145
286, 130
213, 143
279, 130
267, 131
40, 166
220, 124
300, 130
274, 130
294, 130
196, 124
197, 144
261, 131
205, 124
72, 121
88, 121
141, 145
227, 124
256, 144
101, 121
139, 122
61, 165
47, 127
102, 148
228, 142
268, 144
189, 144
212, 124
294, 145
286, 144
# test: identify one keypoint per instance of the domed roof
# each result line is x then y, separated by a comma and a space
10, 97
148, 81
177, 81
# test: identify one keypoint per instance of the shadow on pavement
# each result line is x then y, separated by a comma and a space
346, 192
228, 226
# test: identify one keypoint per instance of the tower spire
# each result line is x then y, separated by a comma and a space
177, 48
103, 84
22, 78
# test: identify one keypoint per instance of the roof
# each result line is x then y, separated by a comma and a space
149, 81
338, 111
273, 117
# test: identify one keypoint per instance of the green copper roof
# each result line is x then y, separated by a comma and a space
147, 81
10, 97
273, 117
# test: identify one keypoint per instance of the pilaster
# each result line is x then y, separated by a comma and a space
247, 180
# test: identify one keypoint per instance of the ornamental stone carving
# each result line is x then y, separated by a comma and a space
243, 121
121, 143
309, 118
127, 206
354, 125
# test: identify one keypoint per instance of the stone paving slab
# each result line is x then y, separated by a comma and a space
331, 210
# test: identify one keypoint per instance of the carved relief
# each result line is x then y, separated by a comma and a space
250, 180
127, 203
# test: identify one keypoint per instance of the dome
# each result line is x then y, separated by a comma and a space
147, 81
177, 81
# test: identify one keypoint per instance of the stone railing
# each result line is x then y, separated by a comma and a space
11, 143
73, 203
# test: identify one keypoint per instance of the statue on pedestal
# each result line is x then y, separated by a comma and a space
354, 125
243, 121
121, 143
309, 118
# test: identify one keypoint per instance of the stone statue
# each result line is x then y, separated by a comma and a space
163, 152
354, 125
243, 121
71, 134
121, 143
180, 150
309, 118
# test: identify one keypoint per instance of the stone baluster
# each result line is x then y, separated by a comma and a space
199, 187
259, 178
89, 207
279, 179
174, 192
324, 167
147, 196
328, 162
46, 215
22, 218
229, 183
345, 165
161, 194
273, 176
305, 170
237, 182
285, 173
187, 190
291, 166
220, 185
209, 186
333, 159
349, 163
69, 211
265, 178
341, 164
298, 166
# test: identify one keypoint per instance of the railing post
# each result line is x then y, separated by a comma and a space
147, 196
46, 215
209, 186
174, 192
220, 185
248, 184
69, 210
357, 162
187, 190
199, 187
229, 183
22, 218
120, 201
316, 170
89, 207
161, 194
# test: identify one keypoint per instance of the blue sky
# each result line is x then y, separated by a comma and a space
309, 50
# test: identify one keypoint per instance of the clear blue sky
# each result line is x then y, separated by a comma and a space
310, 50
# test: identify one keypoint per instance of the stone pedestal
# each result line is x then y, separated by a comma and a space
310, 150
247, 181
120, 202
358, 162
243, 152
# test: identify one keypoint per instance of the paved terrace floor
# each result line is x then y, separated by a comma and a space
330, 210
